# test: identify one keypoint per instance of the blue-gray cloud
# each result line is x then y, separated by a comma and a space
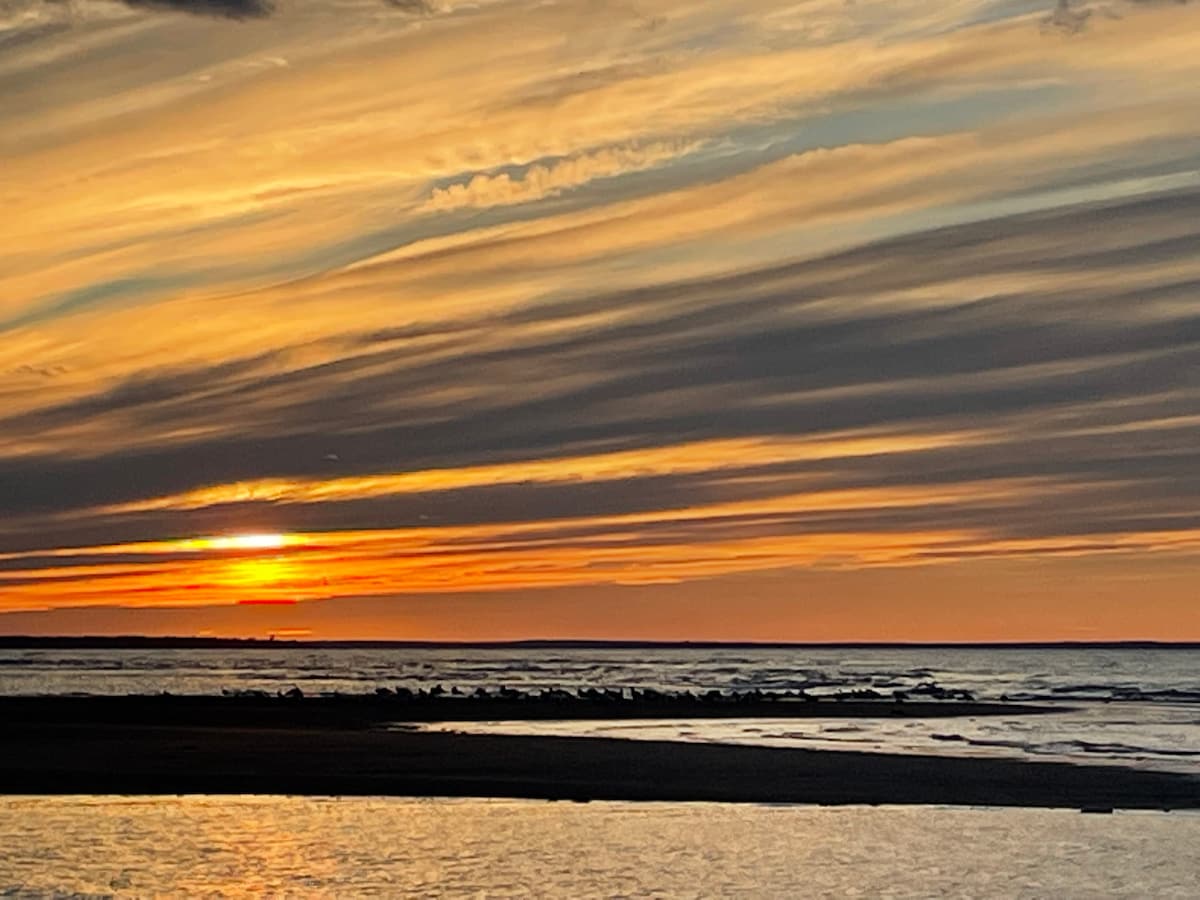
1075, 16
225, 9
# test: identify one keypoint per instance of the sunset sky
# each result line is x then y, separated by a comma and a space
827, 320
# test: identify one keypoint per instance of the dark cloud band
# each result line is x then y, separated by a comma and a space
225, 9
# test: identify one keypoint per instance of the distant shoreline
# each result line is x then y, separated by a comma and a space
145, 642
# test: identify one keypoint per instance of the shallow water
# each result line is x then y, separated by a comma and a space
1162, 737
199, 846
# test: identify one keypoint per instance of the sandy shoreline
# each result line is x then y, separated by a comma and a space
131, 746
69, 759
366, 710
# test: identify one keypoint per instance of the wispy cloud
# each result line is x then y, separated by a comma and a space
549, 179
1074, 16
226, 9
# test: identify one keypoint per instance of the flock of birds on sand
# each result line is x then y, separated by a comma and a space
925, 691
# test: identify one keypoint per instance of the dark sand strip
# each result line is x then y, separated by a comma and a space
365, 710
38, 758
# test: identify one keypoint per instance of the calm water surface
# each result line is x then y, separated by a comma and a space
364, 847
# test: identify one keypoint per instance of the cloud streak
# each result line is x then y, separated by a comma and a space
224, 9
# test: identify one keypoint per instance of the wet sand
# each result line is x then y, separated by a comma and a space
57, 759
134, 747
366, 710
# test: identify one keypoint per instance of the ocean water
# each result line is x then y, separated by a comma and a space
59, 847
1138, 707
1155, 675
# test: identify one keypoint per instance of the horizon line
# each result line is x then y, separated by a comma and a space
8, 642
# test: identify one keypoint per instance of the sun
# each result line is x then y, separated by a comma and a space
255, 541
250, 542
261, 567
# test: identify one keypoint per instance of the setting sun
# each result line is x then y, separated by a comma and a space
250, 542
264, 541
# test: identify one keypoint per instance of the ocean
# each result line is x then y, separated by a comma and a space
1129, 706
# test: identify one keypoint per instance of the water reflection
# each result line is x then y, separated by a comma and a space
374, 847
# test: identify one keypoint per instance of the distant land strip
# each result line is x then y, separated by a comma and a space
142, 642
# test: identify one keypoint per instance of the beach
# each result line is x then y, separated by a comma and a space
223, 745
